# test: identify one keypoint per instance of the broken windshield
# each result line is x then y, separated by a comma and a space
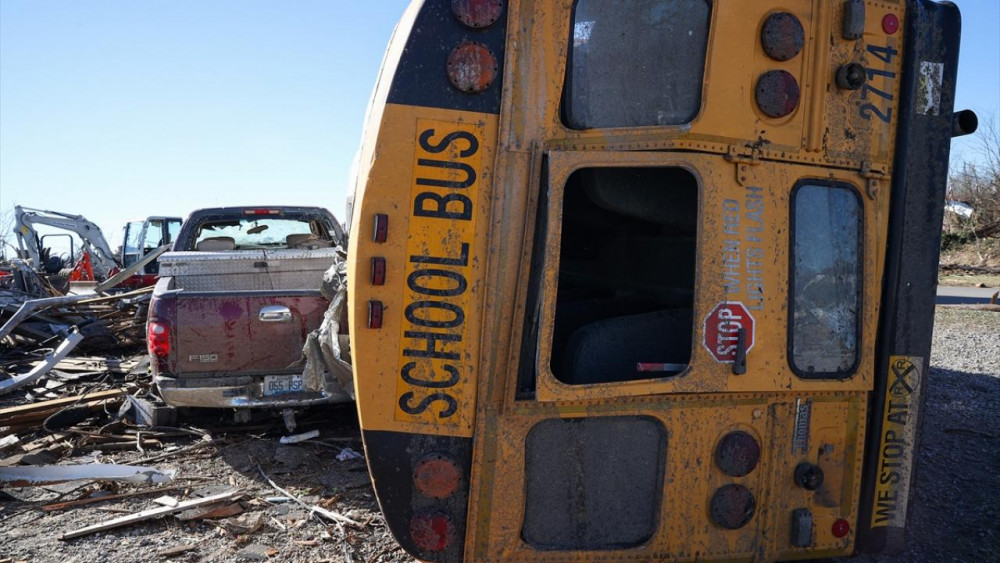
261, 233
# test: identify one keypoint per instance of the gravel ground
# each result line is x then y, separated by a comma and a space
956, 506
956, 502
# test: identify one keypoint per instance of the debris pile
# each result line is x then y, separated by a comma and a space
90, 449
34, 316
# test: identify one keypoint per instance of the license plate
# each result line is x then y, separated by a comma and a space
281, 384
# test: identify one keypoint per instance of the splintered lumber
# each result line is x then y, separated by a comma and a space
211, 511
92, 500
147, 515
37, 412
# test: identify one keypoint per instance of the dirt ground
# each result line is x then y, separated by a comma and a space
236, 460
977, 253
954, 518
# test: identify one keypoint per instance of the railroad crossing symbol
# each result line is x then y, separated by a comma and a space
901, 370
722, 330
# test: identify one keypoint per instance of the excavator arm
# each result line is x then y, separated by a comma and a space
29, 243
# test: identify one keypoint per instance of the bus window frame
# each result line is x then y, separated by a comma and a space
562, 165
860, 283
562, 116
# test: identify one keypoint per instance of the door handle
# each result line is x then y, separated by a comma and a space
274, 314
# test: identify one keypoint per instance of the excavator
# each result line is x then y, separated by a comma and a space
96, 260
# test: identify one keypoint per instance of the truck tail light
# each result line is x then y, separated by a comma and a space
158, 340
262, 212
159, 332
432, 530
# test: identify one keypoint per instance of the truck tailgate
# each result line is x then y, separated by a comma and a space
245, 332
279, 325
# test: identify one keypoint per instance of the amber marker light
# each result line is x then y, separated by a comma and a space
436, 475
472, 68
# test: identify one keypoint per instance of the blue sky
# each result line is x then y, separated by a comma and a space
118, 110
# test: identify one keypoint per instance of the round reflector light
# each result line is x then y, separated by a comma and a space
472, 67
432, 531
732, 507
890, 24
477, 14
777, 93
782, 36
436, 475
737, 453
841, 528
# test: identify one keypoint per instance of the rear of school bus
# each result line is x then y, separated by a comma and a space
650, 279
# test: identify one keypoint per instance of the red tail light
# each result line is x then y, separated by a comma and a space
158, 340
432, 531
777, 93
262, 212
782, 36
477, 14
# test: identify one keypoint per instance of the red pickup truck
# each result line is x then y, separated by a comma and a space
238, 294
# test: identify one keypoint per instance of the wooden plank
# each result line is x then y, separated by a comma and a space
15, 415
147, 515
81, 502
209, 512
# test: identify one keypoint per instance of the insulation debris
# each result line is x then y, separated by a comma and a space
47, 474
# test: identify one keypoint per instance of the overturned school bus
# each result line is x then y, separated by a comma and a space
650, 279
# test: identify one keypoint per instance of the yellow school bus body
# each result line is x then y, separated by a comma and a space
745, 164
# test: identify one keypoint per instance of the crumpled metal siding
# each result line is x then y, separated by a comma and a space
325, 349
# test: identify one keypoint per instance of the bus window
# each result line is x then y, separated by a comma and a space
626, 273
636, 63
826, 276
626, 491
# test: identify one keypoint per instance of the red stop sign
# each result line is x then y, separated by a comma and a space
722, 330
